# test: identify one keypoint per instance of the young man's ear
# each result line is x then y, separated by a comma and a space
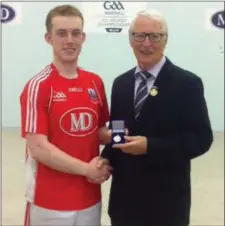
84, 36
48, 38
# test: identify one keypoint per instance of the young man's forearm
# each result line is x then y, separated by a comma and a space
48, 154
104, 135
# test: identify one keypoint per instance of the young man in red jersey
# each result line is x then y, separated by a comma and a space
63, 116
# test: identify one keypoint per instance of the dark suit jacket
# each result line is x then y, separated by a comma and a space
155, 187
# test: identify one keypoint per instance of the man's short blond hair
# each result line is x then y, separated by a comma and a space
62, 10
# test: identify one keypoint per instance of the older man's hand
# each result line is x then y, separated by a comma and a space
134, 145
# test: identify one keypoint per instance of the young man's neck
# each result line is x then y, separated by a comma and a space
67, 70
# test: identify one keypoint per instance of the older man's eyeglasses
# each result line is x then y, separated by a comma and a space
154, 37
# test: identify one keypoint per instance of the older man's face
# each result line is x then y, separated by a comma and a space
148, 50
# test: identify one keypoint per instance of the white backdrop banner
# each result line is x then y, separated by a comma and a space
109, 16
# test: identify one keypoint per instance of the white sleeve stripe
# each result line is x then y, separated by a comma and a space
50, 101
29, 97
33, 88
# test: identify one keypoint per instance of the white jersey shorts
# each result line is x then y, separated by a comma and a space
37, 216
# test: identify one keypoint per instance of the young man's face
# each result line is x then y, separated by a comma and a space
66, 37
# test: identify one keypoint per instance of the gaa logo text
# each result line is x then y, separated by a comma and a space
113, 5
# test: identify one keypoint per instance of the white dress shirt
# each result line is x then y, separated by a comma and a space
154, 71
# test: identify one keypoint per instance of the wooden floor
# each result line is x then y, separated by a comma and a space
207, 183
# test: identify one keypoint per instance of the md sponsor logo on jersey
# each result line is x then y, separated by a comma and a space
79, 122
59, 96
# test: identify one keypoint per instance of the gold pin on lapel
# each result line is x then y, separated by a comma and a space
154, 91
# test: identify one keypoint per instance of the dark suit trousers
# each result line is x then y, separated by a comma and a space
132, 223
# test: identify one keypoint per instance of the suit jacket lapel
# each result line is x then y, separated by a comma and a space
159, 84
129, 87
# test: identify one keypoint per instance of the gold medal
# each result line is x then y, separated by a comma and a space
153, 91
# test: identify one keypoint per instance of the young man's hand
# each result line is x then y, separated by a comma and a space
98, 170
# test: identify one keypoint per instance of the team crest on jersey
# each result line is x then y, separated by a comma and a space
92, 95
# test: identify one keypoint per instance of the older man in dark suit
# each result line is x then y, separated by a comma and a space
165, 112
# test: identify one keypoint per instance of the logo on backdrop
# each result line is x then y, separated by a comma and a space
112, 5
110, 16
7, 13
214, 19
114, 19
218, 19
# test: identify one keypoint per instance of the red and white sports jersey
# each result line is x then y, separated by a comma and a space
69, 112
